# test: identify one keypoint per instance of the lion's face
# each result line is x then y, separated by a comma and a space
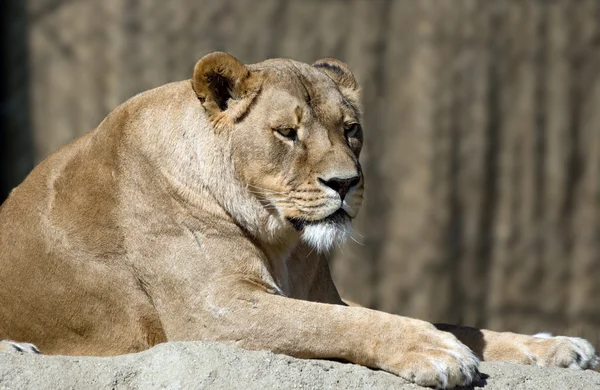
297, 145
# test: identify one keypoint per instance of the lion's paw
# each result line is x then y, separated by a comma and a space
437, 359
562, 351
13, 346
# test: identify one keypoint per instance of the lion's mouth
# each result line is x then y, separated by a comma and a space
338, 217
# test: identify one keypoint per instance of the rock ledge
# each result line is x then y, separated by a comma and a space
197, 365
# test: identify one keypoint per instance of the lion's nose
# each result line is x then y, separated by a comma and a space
341, 185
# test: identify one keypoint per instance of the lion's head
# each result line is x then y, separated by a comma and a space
297, 133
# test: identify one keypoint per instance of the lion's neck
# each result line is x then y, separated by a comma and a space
198, 166
221, 191
210, 178
267, 227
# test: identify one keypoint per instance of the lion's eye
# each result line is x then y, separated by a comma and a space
288, 132
351, 129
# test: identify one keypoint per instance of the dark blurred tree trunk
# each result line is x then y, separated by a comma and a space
481, 119
16, 147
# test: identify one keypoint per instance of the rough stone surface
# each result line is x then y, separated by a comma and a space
200, 365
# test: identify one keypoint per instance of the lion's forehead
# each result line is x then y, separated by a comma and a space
299, 78
285, 89
279, 96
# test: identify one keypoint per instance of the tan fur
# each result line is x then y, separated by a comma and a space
171, 221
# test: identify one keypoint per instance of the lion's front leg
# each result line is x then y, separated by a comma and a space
541, 350
256, 319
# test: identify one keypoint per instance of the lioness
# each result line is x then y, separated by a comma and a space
200, 210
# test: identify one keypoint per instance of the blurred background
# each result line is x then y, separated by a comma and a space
482, 127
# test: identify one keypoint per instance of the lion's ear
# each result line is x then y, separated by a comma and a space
224, 85
338, 71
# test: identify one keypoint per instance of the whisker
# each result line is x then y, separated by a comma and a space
306, 208
354, 239
262, 188
279, 201
260, 195
267, 189
280, 207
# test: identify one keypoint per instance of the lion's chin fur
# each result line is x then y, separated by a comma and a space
323, 236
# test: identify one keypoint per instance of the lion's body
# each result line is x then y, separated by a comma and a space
169, 222
95, 226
